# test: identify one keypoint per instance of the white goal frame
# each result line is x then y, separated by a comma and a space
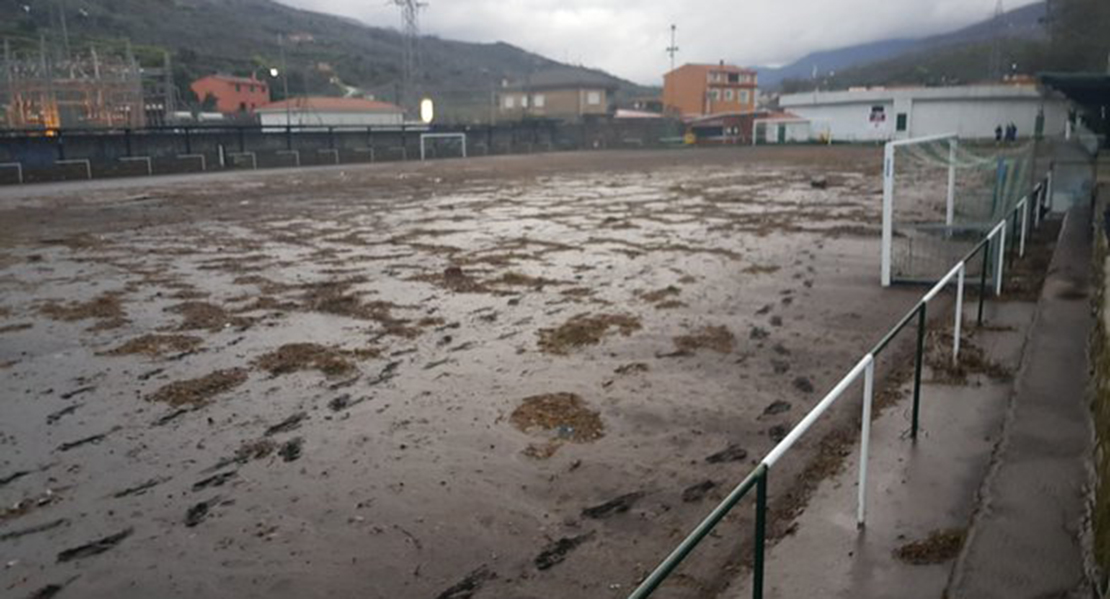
425, 136
888, 193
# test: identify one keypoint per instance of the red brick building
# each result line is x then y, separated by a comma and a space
695, 90
233, 94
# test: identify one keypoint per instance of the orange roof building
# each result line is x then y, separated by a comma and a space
233, 94
695, 90
319, 111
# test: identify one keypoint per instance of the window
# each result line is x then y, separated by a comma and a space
728, 95
593, 98
251, 89
903, 121
714, 94
745, 96
237, 88
524, 101
508, 102
539, 101
878, 114
734, 77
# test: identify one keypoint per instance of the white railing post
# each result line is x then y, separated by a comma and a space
888, 208
959, 313
950, 213
865, 438
1001, 258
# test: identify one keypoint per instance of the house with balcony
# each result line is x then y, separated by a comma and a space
699, 90
566, 94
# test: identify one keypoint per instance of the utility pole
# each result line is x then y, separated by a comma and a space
673, 48
285, 82
410, 57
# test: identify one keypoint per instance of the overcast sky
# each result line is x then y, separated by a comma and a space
628, 37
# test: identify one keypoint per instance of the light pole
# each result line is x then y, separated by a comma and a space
284, 81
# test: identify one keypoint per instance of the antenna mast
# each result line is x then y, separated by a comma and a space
410, 58
673, 48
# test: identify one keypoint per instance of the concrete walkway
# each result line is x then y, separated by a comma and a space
1024, 539
1018, 446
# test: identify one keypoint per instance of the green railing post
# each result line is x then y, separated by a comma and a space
983, 280
917, 367
760, 534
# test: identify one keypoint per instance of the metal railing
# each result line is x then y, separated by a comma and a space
1032, 206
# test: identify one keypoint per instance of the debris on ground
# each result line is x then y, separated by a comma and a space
155, 345
803, 384
469, 586
939, 547
698, 491
556, 552
206, 316
659, 295
292, 357
197, 392
291, 423
632, 368
585, 329
564, 414
613, 507
199, 511
972, 360
777, 407
106, 308
732, 453
292, 449
716, 338
95, 547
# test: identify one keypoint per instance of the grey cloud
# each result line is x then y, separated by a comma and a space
629, 38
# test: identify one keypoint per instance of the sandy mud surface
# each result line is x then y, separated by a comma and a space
509, 377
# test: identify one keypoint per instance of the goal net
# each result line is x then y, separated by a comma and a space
442, 145
941, 195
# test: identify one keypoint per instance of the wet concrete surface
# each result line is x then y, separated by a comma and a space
915, 489
1026, 537
303, 383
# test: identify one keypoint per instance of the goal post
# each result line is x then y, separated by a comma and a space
424, 137
941, 194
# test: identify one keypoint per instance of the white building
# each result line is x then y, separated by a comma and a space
329, 112
782, 127
879, 114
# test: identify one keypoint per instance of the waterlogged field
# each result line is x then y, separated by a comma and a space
508, 377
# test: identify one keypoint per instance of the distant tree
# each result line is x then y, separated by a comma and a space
209, 103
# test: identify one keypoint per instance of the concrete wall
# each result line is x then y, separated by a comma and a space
971, 112
330, 119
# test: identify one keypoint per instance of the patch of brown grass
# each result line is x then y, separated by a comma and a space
585, 329
197, 392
